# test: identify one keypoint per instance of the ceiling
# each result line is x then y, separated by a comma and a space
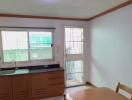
58, 8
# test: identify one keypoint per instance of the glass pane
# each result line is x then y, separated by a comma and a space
15, 46
74, 34
74, 40
74, 79
74, 47
74, 66
40, 45
74, 71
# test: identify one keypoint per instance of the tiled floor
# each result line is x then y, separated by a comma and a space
73, 82
74, 89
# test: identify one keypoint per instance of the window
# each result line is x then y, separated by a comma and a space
26, 45
74, 72
40, 45
74, 40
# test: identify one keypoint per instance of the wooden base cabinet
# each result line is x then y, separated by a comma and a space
5, 88
32, 86
39, 86
21, 87
55, 84
57, 90
47, 84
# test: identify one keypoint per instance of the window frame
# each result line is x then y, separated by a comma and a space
27, 30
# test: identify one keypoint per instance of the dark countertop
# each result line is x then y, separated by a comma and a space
30, 70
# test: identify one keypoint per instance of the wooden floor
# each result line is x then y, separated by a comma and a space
74, 89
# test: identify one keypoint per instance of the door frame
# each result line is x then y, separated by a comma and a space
64, 51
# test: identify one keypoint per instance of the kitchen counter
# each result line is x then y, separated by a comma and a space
29, 70
31, 82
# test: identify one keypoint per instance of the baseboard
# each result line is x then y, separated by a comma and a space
89, 83
76, 86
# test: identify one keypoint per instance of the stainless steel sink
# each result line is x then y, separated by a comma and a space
3, 72
14, 71
21, 71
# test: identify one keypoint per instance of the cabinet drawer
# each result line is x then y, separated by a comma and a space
5, 96
40, 93
55, 81
55, 75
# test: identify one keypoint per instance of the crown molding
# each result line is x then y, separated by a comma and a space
111, 10
40, 17
64, 18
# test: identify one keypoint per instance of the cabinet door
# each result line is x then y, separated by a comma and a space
5, 88
56, 90
39, 86
21, 87
55, 83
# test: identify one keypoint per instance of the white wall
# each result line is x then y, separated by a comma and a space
111, 48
